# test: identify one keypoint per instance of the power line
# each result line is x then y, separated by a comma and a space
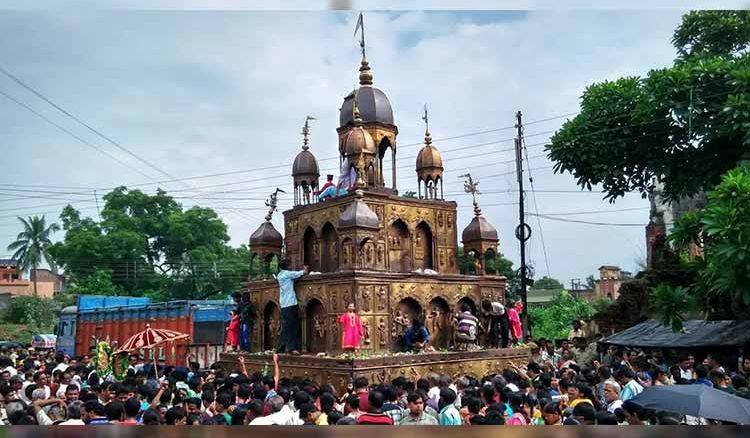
332, 158
81, 122
477, 145
536, 207
87, 126
553, 218
97, 148
577, 213
204, 195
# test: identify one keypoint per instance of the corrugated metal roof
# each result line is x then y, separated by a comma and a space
696, 333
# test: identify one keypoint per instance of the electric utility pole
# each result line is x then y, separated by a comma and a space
523, 231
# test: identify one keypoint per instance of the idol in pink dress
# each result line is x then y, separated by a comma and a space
515, 320
233, 331
351, 329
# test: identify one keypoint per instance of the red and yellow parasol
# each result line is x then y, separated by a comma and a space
149, 339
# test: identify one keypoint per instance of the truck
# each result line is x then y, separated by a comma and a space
89, 321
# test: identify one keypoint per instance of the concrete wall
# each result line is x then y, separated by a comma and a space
26, 288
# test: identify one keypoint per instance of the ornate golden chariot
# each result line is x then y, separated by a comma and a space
395, 257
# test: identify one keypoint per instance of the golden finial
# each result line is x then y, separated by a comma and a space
306, 133
470, 186
365, 75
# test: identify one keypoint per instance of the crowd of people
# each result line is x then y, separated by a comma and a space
566, 385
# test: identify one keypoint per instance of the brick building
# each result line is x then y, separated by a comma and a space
12, 282
610, 281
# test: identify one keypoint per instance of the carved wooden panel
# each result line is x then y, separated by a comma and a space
368, 324
381, 298
364, 298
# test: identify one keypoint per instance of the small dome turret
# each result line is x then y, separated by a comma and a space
430, 169
479, 230
266, 235
429, 166
359, 148
305, 169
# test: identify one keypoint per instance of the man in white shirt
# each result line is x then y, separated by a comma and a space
255, 411
40, 380
65, 380
612, 395
686, 371
50, 417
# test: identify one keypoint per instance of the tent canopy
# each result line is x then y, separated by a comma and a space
696, 333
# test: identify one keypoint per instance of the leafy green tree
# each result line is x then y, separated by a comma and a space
98, 282
684, 125
548, 283
590, 282
37, 313
409, 194
32, 245
670, 304
555, 320
722, 231
152, 246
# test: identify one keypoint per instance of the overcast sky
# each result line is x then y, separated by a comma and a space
196, 93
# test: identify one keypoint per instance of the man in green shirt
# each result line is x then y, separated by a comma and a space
449, 415
417, 416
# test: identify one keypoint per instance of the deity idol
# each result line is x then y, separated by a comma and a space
351, 329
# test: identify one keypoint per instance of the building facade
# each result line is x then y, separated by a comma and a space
12, 282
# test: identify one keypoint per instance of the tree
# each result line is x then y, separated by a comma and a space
590, 282
409, 194
32, 245
151, 246
36, 313
721, 289
548, 283
683, 126
99, 282
555, 320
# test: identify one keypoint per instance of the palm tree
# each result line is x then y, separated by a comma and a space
32, 245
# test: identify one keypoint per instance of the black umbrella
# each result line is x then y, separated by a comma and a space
696, 400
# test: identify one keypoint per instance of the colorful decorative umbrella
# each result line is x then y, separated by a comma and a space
149, 339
